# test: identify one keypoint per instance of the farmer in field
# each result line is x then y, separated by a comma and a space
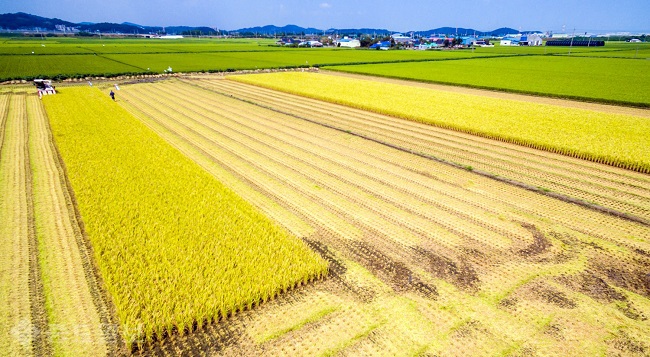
112, 94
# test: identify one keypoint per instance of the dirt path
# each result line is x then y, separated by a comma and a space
605, 108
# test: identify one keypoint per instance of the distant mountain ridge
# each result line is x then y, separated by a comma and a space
23, 21
272, 29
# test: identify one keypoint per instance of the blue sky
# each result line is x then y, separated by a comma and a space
405, 15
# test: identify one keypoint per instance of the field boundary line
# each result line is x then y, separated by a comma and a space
525, 186
115, 344
120, 62
3, 118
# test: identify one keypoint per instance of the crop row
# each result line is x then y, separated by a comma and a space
607, 186
173, 245
619, 139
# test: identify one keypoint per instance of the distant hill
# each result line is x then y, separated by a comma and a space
110, 27
23, 21
272, 29
350, 31
126, 23
468, 31
187, 29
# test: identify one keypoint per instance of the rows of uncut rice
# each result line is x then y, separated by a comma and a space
614, 188
409, 213
618, 140
173, 245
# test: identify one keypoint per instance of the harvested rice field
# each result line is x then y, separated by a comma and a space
408, 239
426, 258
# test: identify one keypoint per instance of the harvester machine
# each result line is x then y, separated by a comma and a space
44, 87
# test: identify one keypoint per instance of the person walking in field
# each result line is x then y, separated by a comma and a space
112, 94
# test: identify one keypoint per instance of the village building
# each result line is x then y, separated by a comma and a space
348, 42
399, 38
469, 41
531, 40
509, 41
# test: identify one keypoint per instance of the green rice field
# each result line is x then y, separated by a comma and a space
613, 80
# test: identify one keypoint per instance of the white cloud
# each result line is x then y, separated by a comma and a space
325, 5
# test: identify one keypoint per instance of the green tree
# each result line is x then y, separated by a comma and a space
366, 41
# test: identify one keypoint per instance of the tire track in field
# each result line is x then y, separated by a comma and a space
4, 107
46, 308
388, 142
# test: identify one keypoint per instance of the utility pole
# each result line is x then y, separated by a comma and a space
572, 36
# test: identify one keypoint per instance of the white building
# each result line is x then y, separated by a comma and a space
348, 42
531, 40
399, 38
508, 41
